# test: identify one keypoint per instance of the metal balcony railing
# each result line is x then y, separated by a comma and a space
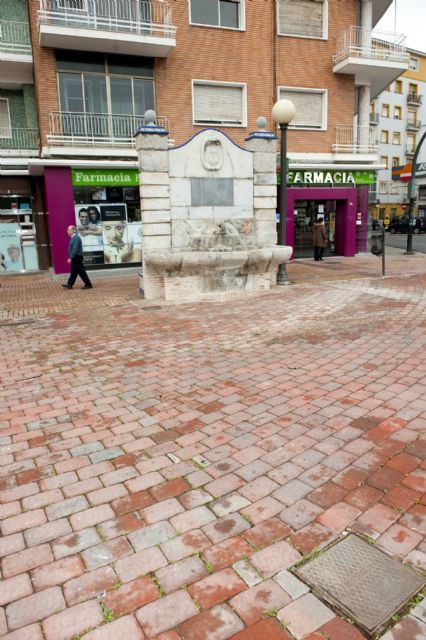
19, 139
374, 118
356, 140
413, 126
75, 129
358, 42
15, 38
138, 17
414, 98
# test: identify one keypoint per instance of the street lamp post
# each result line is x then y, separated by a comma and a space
283, 113
411, 198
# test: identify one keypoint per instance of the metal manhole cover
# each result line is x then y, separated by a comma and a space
362, 581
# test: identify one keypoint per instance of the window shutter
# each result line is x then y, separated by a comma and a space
309, 108
5, 128
301, 18
218, 104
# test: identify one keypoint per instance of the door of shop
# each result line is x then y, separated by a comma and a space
338, 205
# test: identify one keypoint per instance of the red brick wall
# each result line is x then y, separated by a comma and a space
256, 56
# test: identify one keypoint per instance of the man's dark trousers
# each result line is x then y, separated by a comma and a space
77, 269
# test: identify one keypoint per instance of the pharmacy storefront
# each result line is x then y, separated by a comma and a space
340, 197
104, 205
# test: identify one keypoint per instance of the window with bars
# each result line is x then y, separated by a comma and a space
5, 125
311, 107
302, 18
219, 104
218, 13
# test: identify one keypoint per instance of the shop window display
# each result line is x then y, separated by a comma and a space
108, 219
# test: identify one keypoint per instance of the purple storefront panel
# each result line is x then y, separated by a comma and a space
60, 206
345, 214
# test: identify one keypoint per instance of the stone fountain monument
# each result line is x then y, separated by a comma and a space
208, 214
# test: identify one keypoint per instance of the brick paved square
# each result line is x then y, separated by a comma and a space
131, 596
166, 613
216, 588
139, 564
219, 623
252, 604
274, 558
305, 615
226, 527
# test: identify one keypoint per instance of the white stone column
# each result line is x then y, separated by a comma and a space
152, 147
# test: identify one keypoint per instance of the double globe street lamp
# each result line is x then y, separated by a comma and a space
283, 113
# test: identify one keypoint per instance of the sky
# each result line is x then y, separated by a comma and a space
410, 20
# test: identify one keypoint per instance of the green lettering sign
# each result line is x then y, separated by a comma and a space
334, 178
105, 178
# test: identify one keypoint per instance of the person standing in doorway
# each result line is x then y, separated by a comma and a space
75, 259
319, 238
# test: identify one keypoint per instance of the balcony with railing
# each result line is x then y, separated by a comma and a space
19, 142
374, 118
132, 27
97, 130
414, 99
413, 125
355, 140
379, 57
16, 59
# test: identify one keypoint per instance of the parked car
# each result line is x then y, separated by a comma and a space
401, 225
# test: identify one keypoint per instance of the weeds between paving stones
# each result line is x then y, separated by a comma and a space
270, 613
400, 615
107, 615
161, 590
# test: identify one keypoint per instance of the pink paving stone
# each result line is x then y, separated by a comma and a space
140, 483
107, 494
15, 588
23, 521
25, 560
180, 574
399, 540
216, 588
166, 613
314, 536
47, 532
102, 554
162, 511
258, 488
267, 532
185, 545
193, 519
9, 509
379, 518
409, 628
75, 542
248, 454
11, 544
339, 516
91, 517
305, 615
82, 487
224, 485
73, 621
227, 552
32, 632
251, 604
275, 558
88, 585
140, 563
262, 509
131, 596
42, 500
126, 628
34, 607
219, 623
57, 572
226, 527
195, 498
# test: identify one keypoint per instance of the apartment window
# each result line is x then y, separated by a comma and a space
219, 103
413, 64
92, 89
397, 113
384, 160
411, 143
396, 137
413, 88
398, 86
396, 162
412, 117
311, 107
5, 126
304, 18
383, 187
385, 111
228, 14
384, 136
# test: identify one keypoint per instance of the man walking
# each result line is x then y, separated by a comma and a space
75, 253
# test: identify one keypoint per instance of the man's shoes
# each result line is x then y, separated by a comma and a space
87, 286
67, 286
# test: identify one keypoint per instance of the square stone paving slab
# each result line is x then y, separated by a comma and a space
361, 581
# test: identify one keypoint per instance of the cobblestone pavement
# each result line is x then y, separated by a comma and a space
163, 468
